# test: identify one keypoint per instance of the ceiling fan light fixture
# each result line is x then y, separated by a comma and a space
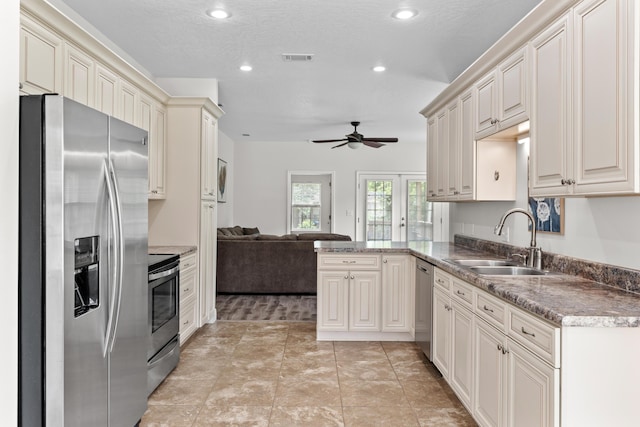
404, 14
218, 14
354, 145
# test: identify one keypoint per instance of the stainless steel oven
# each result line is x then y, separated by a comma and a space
163, 351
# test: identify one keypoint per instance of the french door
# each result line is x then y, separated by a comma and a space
393, 207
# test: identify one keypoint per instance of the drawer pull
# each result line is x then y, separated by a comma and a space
527, 333
460, 293
485, 308
185, 323
344, 261
440, 281
186, 290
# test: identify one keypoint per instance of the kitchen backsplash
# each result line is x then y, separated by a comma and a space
619, 277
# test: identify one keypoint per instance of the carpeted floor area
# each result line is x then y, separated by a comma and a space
266, 307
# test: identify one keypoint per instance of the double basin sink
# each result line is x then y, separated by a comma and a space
498, 267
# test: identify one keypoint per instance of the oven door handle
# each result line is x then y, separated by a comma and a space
167, 351
162, 274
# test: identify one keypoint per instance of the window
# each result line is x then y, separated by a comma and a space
305, 206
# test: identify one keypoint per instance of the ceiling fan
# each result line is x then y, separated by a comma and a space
355, 140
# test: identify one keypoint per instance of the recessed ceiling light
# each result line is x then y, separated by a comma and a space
379, 68
404, 14
219, 14
246, 67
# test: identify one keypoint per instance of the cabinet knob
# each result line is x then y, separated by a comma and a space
385, 261
346, 277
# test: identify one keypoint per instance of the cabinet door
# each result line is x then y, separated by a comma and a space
157, 150
462, 353
443, 153
603, 98
333, 300
550, 153
106, 90
466, 163
512, 101
533, 391
489, 407
209, 154
41, 62
79, 73
207, 295
127, 102
397, 297
364, 301
432, 159
453, 156
441, 351
486, 98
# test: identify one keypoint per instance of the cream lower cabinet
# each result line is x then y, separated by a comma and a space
188, 296
502, 363
362, 298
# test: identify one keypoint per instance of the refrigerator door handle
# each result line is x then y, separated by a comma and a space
117, 266
119, 253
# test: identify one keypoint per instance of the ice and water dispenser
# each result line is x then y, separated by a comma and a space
87, 274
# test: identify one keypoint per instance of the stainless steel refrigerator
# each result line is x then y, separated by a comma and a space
83, 330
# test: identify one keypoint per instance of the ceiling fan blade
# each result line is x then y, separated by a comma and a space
340, 145
328, 140
371, 143
381, 139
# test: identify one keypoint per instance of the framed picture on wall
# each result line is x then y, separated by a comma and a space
222, 181
548, 213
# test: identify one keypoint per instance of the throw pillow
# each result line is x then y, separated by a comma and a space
253, 230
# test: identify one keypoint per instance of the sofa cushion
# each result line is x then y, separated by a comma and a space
236, 231
274, 237
323, 236
224, 232
253, 230
234, 237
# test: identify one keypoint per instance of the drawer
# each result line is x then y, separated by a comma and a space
188, 262
188, 284
492, 310
462, 292
348, 262
537, 336
441, 279
188, 320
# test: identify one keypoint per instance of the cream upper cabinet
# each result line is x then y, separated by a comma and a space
585, 88
605, 97
502, 96
397, 300
152, 118
128, 100
432, 158
41, 60
453, 145
209, 158
106, 90
550, 126
442, 130
466, 148
79, 76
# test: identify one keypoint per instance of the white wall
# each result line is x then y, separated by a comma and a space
9, 32
226, 153
260, 177
603, 229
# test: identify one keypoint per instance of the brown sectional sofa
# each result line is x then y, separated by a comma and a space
249, 262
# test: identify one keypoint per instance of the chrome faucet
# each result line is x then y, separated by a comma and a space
534, 258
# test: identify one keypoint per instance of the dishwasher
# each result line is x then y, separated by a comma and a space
424, 298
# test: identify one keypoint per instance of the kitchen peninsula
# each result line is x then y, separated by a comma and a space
558, 348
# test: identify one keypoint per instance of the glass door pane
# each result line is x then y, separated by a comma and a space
419, 212
378, 214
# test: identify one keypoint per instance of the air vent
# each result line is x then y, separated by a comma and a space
289, 57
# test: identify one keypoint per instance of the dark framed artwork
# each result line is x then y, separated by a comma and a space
548, 213
222, 181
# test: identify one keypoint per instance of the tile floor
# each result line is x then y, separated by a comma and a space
244, 373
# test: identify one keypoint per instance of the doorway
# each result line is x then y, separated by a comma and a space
393, 207
310, 202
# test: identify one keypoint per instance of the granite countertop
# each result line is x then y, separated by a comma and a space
562, 299
169, 250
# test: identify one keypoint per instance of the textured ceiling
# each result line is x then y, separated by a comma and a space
298, 101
